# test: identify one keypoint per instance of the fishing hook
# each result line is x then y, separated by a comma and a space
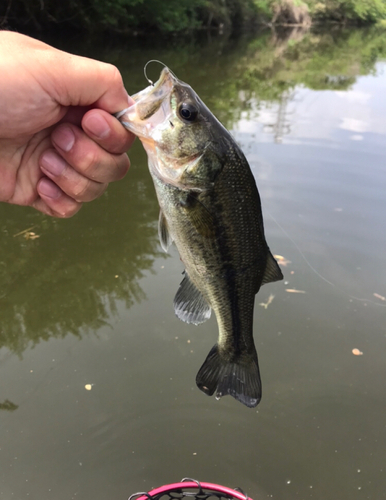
156, 61
146, 65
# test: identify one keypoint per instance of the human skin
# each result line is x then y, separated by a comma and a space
60, 146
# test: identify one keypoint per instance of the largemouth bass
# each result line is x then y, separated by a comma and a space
210, 208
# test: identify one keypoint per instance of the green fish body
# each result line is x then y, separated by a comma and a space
210, 209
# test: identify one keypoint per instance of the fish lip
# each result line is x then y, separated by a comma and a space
136, 98
129, 116
165, 75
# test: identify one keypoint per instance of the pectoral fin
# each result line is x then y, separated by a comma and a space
201, 218
163, 232
189, 304
272, 270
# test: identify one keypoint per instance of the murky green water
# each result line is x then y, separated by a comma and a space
89, 302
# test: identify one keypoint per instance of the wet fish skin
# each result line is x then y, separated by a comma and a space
210, 208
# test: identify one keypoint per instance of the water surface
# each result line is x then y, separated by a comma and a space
89, 302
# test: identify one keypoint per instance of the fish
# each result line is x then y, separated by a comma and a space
210, 208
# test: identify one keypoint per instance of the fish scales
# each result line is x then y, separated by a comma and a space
210, 208
223, 266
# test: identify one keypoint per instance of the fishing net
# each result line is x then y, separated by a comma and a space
188, 488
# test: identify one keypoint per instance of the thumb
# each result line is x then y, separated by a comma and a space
69, 80
80, 81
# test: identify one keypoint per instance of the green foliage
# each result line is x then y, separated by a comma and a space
360, 11
265, 8
342, 11
128, 16
72, 278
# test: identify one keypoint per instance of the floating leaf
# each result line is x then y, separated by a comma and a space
282, 260
29, 235
266, 304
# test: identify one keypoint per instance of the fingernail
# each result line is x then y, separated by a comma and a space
49, 189
97, 125
52, 162
64, 138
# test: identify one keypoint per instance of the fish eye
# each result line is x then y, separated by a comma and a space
188, 112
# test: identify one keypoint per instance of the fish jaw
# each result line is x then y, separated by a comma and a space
151, 107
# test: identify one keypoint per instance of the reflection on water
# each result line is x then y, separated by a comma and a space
98, 392
70, 275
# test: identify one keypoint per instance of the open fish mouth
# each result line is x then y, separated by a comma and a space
151, 106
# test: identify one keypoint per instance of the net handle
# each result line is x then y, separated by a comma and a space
185, 485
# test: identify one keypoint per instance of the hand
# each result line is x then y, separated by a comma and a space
59, 143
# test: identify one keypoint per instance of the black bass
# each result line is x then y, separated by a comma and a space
210, 208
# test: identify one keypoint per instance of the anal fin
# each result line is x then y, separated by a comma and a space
189, 304
272, 270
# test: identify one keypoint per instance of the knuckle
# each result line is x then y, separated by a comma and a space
80, 189
87, 164
86, 190
115, 74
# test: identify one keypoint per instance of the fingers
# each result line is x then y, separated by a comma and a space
101, 161
79, 166
87, 157
74, 184
52, 201
82, 162
107, 131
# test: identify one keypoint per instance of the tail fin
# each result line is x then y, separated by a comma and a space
239, 378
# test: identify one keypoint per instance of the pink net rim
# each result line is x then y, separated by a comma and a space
185, 485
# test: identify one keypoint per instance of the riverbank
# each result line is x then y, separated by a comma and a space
130, 17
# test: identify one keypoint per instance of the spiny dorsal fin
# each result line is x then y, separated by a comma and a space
272, 270
163, 232
189, 304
